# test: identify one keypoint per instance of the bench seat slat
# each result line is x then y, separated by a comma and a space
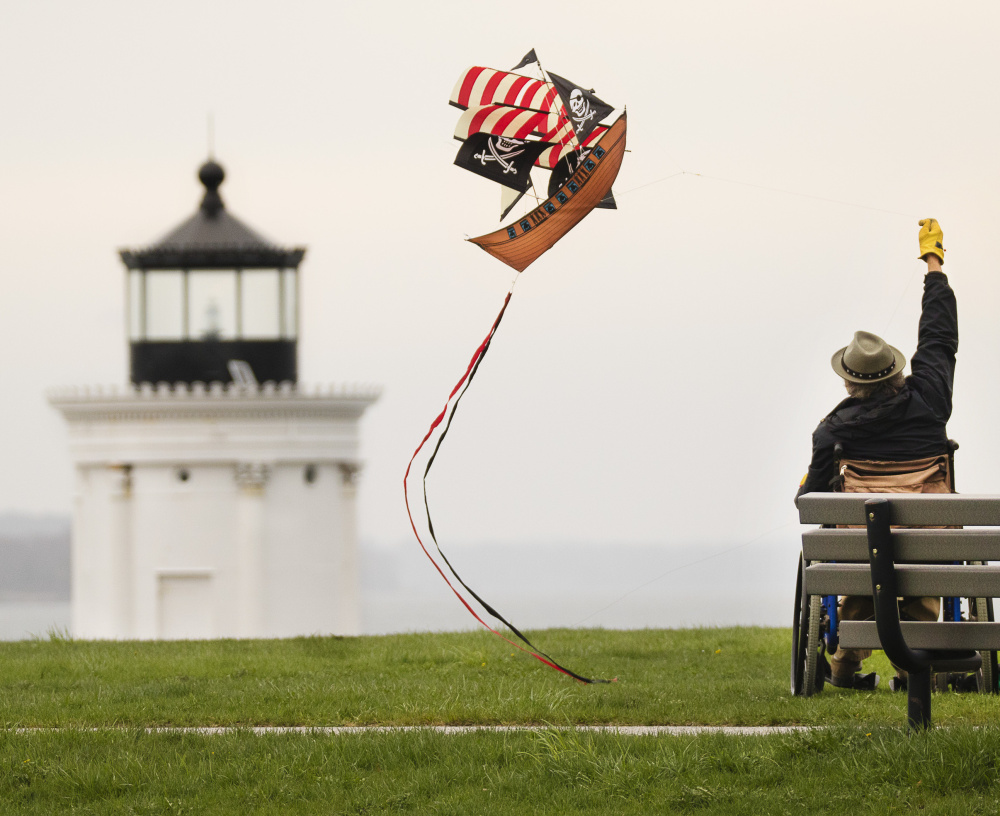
912, 580
925, 635
910, 545
907, 508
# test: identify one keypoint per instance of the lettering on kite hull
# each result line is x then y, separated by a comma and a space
522, 242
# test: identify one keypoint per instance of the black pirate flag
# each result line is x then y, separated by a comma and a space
527, 59
584, 109
500, 159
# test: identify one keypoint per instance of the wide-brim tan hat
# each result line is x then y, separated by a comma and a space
867, 359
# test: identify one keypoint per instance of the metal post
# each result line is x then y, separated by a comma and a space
884, 593
918, 710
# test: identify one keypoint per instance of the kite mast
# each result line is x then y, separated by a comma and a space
508, 200
563, 113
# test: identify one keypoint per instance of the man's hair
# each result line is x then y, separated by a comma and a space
883, 389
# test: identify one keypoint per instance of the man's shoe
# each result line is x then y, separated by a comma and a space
964, 683
897, 683
857, 682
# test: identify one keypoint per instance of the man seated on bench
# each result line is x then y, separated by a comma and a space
887, 417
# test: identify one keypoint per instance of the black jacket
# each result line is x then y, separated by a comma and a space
910, 424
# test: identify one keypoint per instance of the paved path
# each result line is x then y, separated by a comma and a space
339, 730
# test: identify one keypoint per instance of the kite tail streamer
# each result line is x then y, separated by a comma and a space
449, 411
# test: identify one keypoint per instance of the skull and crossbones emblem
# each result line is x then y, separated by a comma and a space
503, 151
580, 107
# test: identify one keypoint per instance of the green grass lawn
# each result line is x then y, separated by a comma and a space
862, 760
735, 676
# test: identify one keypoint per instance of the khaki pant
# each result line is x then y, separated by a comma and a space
845, 663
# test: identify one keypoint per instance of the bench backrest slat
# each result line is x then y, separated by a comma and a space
912, 579
907, 508
937, 635
977, 544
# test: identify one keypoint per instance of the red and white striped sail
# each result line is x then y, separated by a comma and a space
502, 103
503, 120
480, 86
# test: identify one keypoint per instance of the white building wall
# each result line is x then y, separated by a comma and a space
214, 513
311, 564
101, 578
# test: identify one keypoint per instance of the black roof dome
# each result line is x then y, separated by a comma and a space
212, 238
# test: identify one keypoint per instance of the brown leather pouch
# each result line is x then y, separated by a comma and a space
930, 475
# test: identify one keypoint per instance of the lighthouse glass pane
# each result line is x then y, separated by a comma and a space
212, 304
164, 305
261, 304
134, 304
289, 303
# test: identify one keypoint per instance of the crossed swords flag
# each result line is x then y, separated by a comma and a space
505, 161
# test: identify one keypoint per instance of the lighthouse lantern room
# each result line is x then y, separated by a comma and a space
210, 291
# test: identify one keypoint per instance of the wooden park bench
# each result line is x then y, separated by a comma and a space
886, 563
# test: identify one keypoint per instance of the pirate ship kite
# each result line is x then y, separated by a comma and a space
512, 123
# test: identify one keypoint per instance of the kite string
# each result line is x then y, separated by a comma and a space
902, 296
765, 187
680, 567
909, 282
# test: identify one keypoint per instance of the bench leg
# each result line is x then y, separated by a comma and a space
918, 711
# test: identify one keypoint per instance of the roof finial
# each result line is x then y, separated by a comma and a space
211, 175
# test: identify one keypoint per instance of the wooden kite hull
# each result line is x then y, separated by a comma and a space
522, 242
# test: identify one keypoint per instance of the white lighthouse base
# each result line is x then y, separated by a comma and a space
214, 512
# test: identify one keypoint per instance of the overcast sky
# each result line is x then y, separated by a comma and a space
658, 373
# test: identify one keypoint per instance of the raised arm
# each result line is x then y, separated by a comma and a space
933, 363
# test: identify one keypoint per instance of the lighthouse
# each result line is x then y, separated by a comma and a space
215, 496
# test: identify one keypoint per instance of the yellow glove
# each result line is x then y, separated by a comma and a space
931, 239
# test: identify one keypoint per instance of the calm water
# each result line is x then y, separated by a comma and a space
627, 587
22, 620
